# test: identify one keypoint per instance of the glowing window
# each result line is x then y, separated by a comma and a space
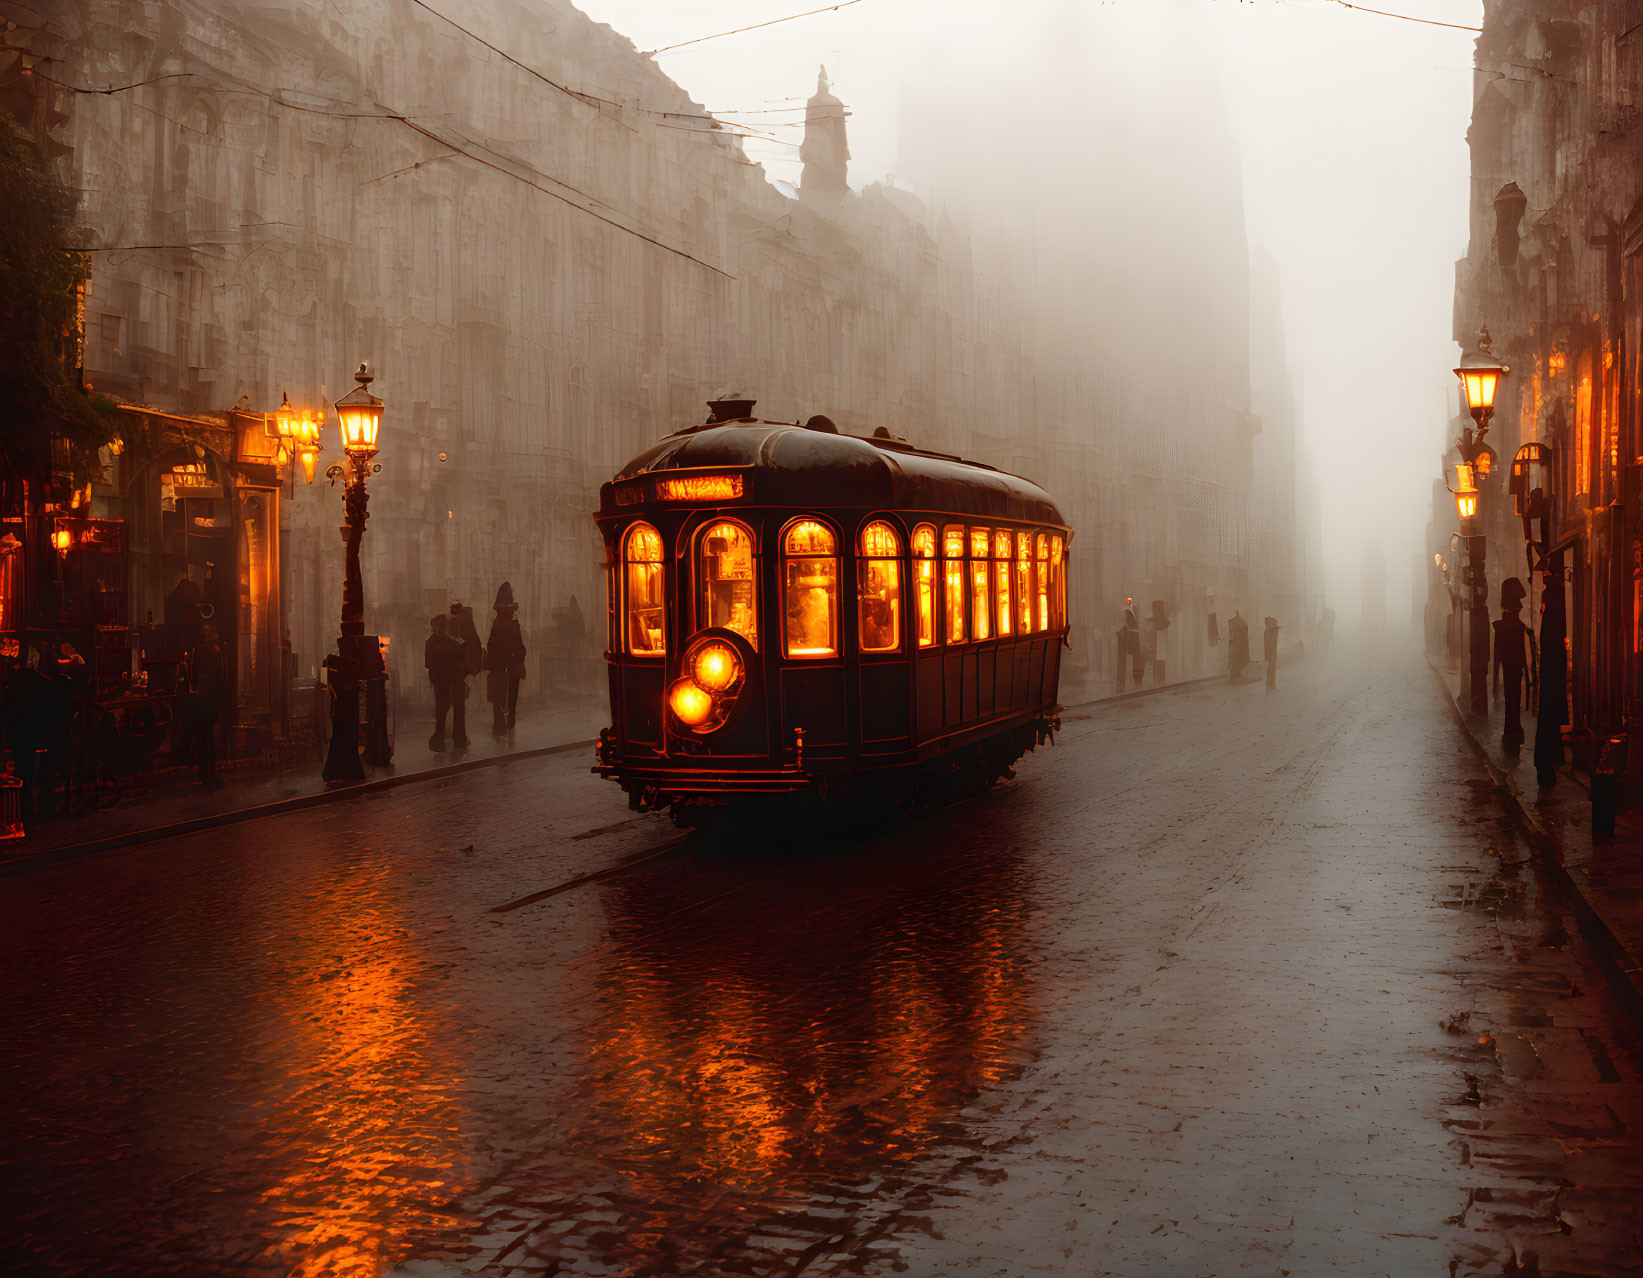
727, 576
1003, 551
1583, 427
952, 551
924, 574
811, 574
981, 594
1058, 586
878, 589
1024, 583
1043, 582
642, 554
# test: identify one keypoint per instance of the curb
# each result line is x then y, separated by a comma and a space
235, 816
1620, 966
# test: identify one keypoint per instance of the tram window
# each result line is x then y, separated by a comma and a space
642, 553
981, 595
952, 550
1003, 546
812, 580
1043, 582
1024, 583
878, 588
924, 573
1058, 585
728, 580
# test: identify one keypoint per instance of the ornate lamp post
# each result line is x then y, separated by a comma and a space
1532, 472
1480, 373
357, 657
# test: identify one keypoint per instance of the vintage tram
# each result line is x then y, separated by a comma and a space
795, 611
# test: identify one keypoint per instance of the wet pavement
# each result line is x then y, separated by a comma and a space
1224, 982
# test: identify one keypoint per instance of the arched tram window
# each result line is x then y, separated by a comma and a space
727, 574
1058, 586
811, 579
952, 553
878, 588
1024, 583
981, 594
642, 596
1043, 582
924, 573
1003, 551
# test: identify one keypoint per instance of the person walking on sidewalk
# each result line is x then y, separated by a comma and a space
504, 661
1512, 659
443, 656
1269, 650
1129, 645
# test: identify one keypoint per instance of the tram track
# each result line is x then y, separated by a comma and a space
598, 876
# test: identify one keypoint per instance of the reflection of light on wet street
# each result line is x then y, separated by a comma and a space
741, 1064
1294, 995
370, 1126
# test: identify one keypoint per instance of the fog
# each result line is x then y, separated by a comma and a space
1084, 139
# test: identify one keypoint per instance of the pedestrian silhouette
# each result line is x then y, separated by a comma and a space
1513, 642
442, 654
1237, 647
1269, 650
504, 661
203, 681
1129, 645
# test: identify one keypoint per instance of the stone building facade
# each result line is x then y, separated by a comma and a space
551, 255
1554, 270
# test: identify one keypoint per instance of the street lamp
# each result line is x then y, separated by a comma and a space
1466, 494
358, 657
1480, 373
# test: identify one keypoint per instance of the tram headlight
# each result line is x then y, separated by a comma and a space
715, 667
690, 705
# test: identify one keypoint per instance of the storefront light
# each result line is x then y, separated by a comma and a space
62, 539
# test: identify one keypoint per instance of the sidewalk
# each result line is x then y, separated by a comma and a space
184, 805
1602, 879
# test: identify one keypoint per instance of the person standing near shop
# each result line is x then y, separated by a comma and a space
204, 681
504, 661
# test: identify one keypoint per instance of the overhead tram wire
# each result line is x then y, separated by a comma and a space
1404, 17
719, 35
385, 113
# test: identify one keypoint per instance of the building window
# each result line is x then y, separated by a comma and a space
952, 550
878, 590
1583, 426
981, 594
811, 573
1003, 552
642, 554
728, 577
924, 572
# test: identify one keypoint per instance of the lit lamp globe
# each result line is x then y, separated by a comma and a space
1480, 373
305, 434
1466, 493
360, 414
285, 418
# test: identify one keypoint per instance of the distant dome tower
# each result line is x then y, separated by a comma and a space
825, 154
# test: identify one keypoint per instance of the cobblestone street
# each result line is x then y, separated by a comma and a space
1223, 982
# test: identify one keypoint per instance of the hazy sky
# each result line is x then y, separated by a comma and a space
1352, 133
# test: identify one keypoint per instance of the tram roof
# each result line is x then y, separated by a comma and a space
804, 467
